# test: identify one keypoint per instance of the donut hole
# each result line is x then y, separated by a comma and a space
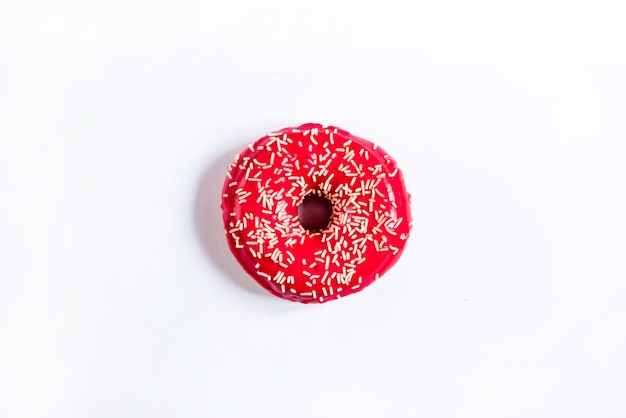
315, 212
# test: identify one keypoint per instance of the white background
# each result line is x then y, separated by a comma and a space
118, 296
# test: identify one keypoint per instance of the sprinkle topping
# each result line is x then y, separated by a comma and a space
370, 220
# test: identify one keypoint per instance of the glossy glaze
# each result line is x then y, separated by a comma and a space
369, 227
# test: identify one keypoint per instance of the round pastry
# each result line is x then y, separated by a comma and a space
314, 213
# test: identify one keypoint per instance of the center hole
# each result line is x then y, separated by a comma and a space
315, 212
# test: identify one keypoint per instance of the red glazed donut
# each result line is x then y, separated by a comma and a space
314, 213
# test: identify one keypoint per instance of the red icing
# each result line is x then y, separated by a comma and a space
371, 213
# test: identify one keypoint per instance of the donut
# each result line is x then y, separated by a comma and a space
314, 213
